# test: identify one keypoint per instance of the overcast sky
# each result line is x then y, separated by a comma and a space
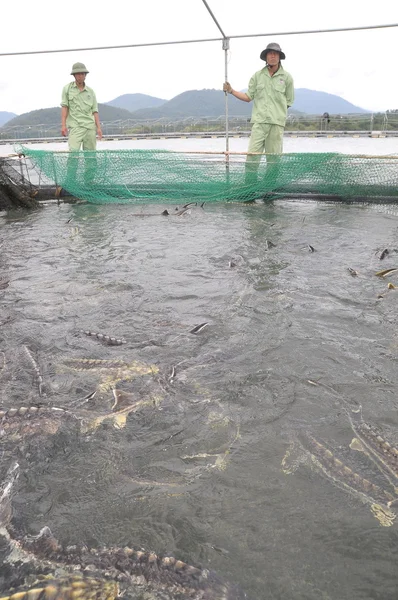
359, 66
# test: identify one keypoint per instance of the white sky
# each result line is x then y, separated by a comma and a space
359, 66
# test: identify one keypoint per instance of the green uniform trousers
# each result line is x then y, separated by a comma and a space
269, 139
264, 138
81, 136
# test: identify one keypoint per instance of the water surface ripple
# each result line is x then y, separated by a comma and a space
293, 340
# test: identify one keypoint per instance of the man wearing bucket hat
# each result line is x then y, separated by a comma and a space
272, 91
79, 112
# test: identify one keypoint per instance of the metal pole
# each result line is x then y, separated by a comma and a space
225, 47
248, 35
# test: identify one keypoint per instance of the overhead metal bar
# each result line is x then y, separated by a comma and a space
225, 47
197, 41
214, 18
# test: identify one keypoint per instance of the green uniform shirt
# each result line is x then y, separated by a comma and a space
272, 96
82, 106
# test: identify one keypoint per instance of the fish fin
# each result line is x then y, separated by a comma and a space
5, 494
44, 542
122, 399
385, 272
293, 458
356, 445
88, 426
385, 516
119, 421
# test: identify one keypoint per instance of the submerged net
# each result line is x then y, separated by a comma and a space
151, 176
15, 190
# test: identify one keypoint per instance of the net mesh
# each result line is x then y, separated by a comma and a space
15, 189
161, 176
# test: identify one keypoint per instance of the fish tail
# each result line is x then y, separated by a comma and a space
5, 494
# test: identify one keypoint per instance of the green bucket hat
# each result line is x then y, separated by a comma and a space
79, 68
275, 48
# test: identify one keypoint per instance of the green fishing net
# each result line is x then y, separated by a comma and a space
161, 176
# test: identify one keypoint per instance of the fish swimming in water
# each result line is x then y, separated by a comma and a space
112, 371
319, 457
380, 451
67, 588
198, 328
26, 421
386, 272
39, 377
107, 339
169, 577
236, 261
383, 254
160, 578
352, 272
6, 490
220, 456
124, 404
171, 377
183, 211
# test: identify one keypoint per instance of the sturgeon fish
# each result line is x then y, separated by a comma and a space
380, 451
112, 371
324, 461
35, 365
67, 588
26, 421
124, 405
159, 578
107, 339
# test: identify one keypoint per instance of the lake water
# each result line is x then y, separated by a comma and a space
345, 145
293, 342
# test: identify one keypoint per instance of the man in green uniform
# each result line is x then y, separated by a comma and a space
79, 112
79, 115
272, 90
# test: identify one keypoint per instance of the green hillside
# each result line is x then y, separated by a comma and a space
52, 116
190, 104
196, 103
134, 102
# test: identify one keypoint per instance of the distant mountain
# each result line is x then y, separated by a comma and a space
134, 102
196, 103
51, 116
193, 103
317, 103
211, 103
5, 117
